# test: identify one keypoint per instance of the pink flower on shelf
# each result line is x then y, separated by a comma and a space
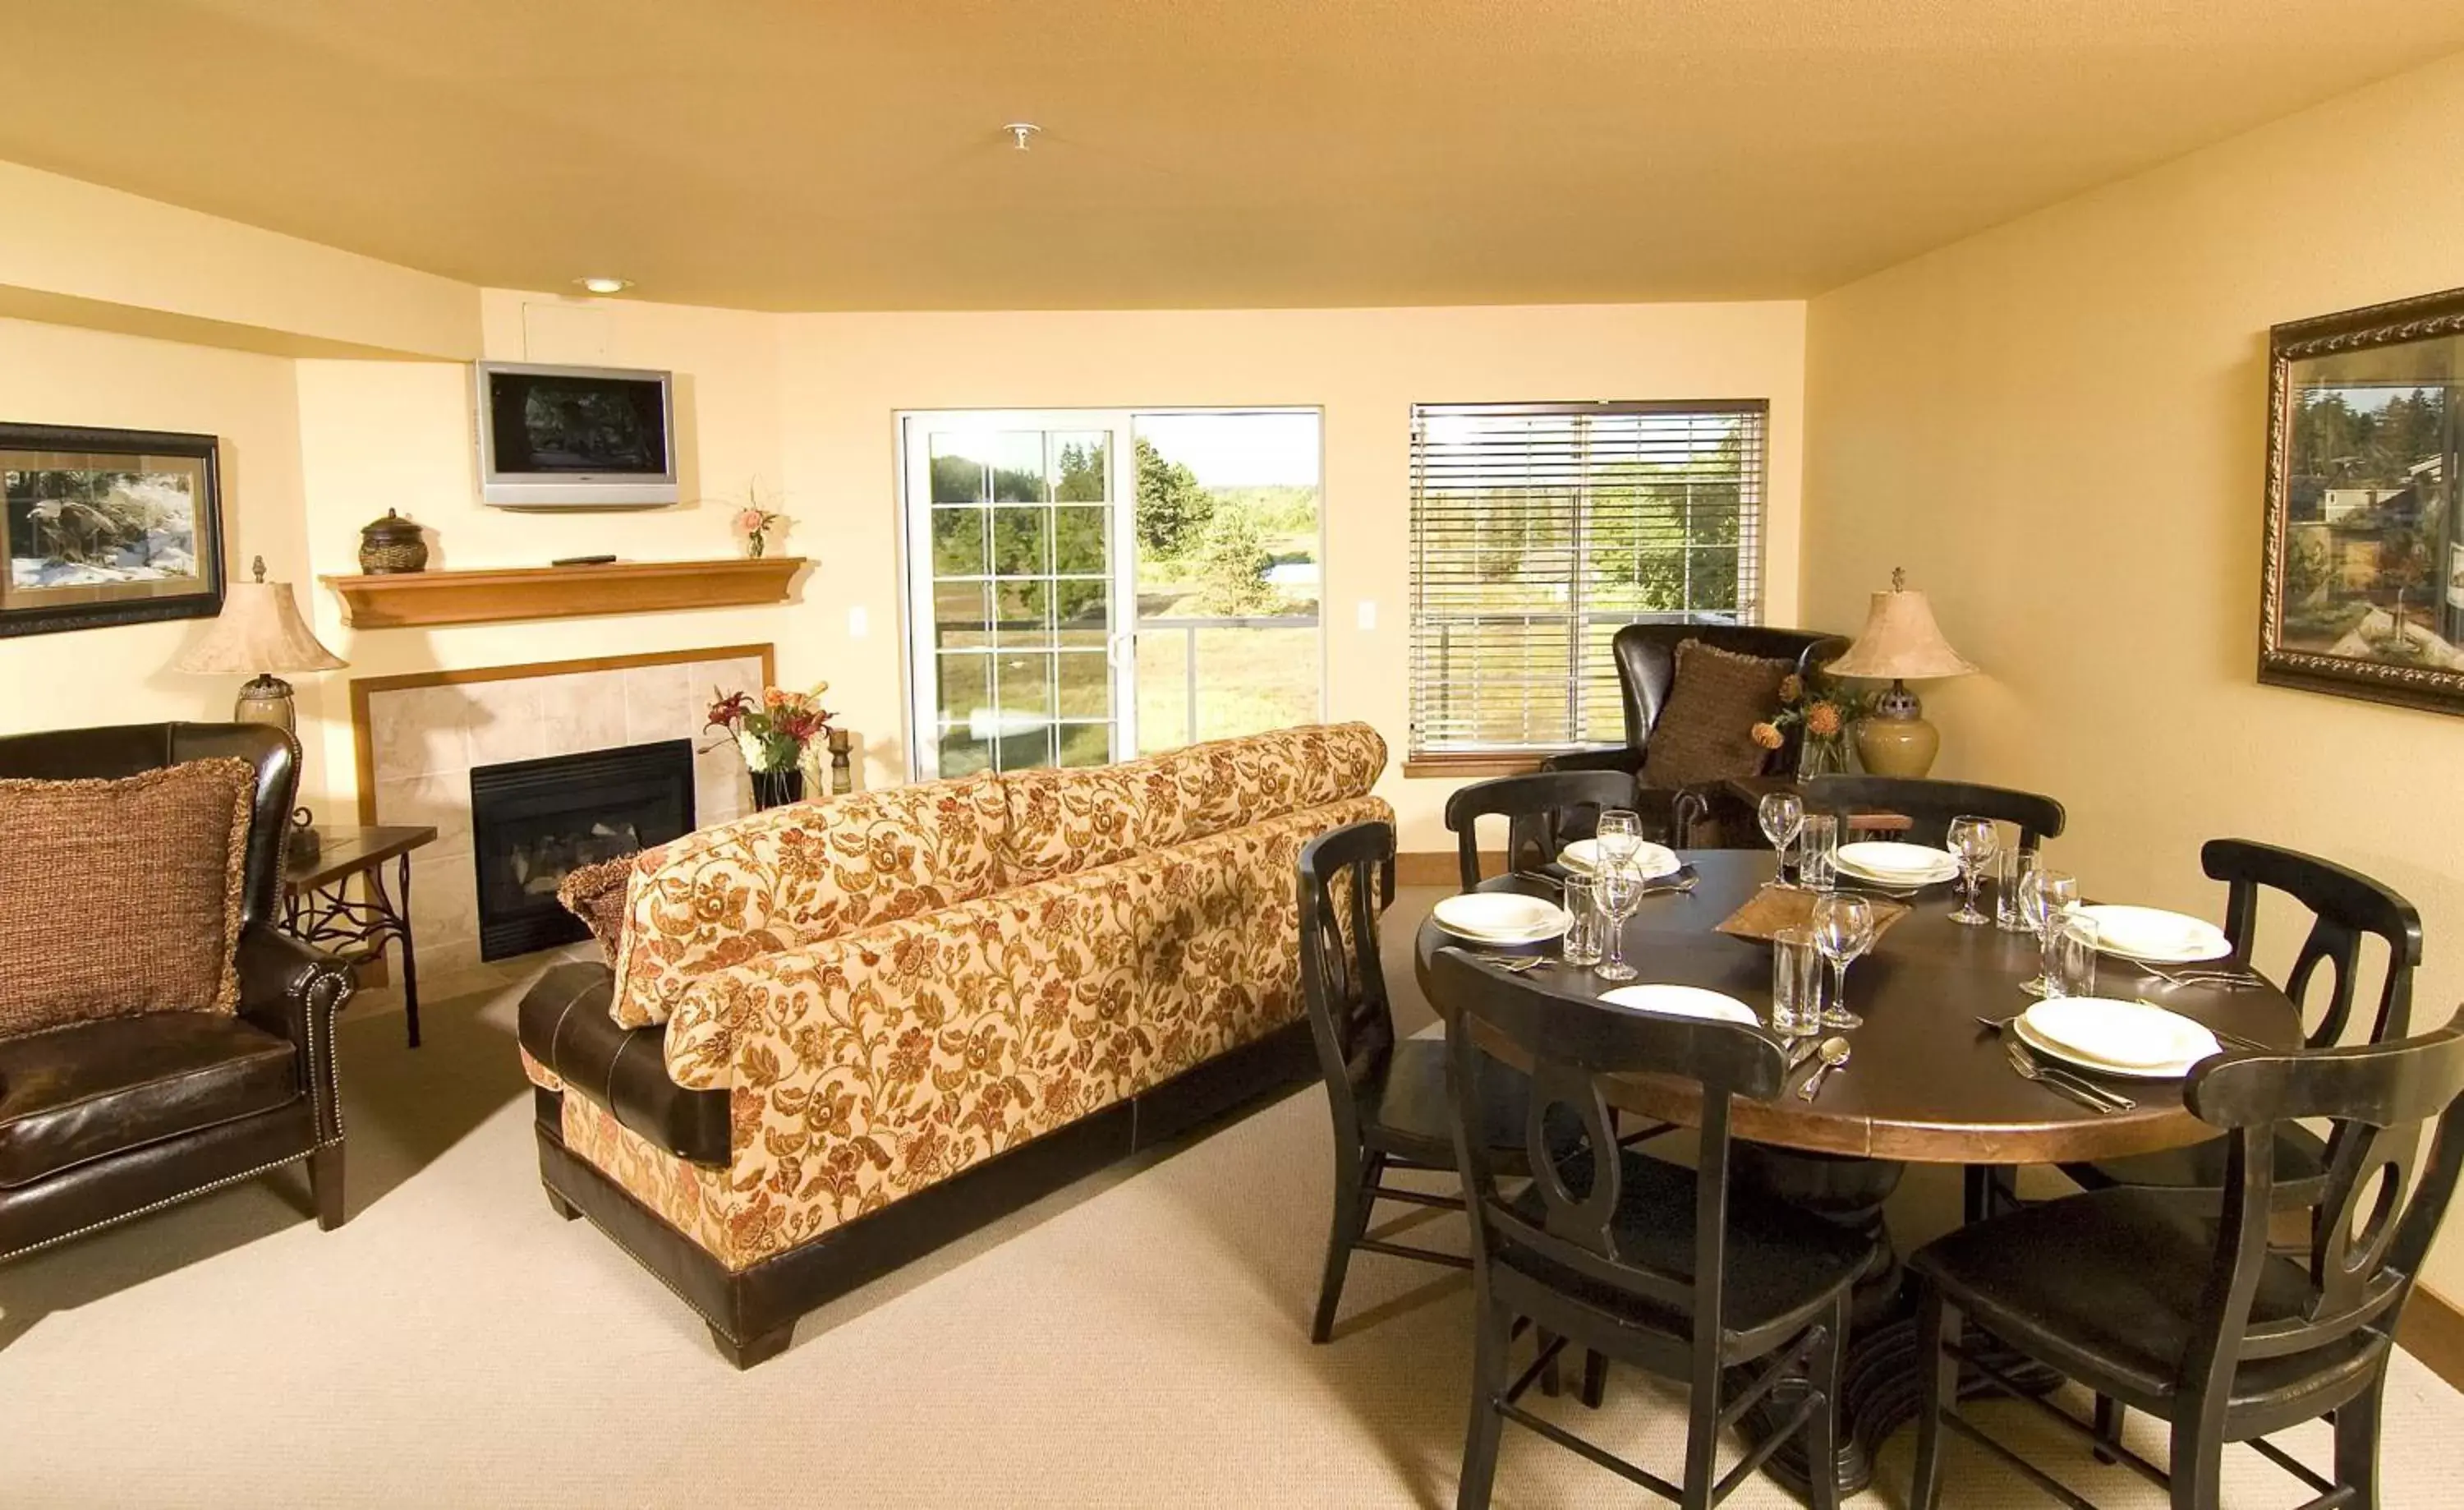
750, 520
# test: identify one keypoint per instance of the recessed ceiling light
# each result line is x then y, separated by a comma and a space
605, 285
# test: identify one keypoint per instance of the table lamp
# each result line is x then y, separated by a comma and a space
1901, 641
258, 634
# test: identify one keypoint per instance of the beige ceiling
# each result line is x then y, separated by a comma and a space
829, 154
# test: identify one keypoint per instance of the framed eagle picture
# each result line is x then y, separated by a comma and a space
107, 526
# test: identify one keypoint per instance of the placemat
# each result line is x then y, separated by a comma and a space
1774, 908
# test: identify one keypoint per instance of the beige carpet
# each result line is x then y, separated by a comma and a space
1138, 1340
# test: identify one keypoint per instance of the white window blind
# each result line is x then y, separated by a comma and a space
1538, 530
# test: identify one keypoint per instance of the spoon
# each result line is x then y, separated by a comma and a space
1833, 1055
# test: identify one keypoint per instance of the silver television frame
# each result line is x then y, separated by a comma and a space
610, 490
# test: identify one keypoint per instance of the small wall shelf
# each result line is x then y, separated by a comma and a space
422, 599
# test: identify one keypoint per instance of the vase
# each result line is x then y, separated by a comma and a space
752, 545
776, 789
1821, 757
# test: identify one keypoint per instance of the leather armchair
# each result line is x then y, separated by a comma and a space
103, 1120
1646, 662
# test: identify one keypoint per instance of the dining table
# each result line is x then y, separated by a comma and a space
1926, 1082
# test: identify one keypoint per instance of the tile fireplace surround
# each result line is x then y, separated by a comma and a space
420, 736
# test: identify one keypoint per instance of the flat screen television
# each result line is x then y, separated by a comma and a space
575, 437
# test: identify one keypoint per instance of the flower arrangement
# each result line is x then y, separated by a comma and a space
755, 523
773, 731
1822, 707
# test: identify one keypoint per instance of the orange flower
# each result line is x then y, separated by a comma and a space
1768, 735
1790, 688
1822, 720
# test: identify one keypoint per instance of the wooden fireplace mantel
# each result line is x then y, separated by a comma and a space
420, 599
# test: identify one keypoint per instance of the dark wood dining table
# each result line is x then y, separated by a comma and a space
1924, 1084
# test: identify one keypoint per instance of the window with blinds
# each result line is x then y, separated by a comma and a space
1538, 530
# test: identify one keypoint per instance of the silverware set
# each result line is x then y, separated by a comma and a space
2225, 980
2024, 1061
1833, 1053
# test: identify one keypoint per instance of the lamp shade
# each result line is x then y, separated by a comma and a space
1901, 641
260, 631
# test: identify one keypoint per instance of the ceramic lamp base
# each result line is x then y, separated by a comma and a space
1896, 746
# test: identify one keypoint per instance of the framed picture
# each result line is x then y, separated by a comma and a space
2363, 587
107, 526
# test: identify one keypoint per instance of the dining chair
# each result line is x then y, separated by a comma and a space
2145, 1298
1930, 804
1543, 813
1673, 1270
1388, 1094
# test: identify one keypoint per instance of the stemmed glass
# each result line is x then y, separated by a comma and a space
2045, 899
1781, 813
1620, 890
1972, 840
1844, 929
1617, 836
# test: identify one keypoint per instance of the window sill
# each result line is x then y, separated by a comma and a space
1476, 763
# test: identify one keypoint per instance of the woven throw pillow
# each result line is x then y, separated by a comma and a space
119, 897
595, 894
1704, 731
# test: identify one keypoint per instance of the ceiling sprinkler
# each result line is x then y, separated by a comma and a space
1021, 132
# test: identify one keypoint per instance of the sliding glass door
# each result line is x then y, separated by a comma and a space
1088, 586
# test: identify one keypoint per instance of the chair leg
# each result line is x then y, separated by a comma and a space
1822, 1428
560, 1205
1488, 1383
2198, 1464
1936, 1329
2109, 1413
1354, 1175
1595, 1379
2356, 1443
325, 1184
1552, 1383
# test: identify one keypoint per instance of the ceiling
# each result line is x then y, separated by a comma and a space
847, 154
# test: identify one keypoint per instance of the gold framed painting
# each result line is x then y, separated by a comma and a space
2363, 587
107, 526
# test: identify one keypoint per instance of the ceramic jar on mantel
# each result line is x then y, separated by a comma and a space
393, 544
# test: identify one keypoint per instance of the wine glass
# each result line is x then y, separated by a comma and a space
2045, 899
1781, 813
1844, 929
1617, 836
1619, 891
1972, 840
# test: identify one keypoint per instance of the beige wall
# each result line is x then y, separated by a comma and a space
843, 377
50, 374
2059, 427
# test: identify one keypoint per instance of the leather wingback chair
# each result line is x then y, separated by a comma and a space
103, 1120
1646, 662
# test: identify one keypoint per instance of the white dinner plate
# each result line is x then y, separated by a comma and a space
1682, 1001
2153, 936
2117, 1038
1500, 917
1583, 856
1909, 864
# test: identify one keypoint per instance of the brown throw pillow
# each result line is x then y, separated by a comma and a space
1704, 731
119, 897
595, 894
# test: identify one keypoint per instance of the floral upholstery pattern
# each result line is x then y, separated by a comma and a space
790, 875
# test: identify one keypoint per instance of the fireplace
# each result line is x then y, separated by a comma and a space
534, 820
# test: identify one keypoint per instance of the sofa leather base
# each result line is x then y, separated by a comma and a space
751, 1312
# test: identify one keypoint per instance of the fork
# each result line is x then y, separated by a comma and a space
2231, 979
2094, 1097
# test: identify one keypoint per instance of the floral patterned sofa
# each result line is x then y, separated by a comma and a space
838, 1034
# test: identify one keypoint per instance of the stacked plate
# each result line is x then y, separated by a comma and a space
1682, 1001
1655, 861
1896, 864
2150, 936
2132, 1039
1501, 920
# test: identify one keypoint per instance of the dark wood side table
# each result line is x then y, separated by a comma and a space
1751, 791
317, 906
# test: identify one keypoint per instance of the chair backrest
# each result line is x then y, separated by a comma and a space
1539, 810
129, 749
2344, 904
2383, 1202
1569, 1047
1344, 874
1646, 663
1930, 805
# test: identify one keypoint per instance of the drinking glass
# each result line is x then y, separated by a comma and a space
2015, 868
1581, 944
2074, 967
1617, 838
1817, 859
1620, 890
1844, 929
1972, 840
1781, 813
1796, 984
2046, 898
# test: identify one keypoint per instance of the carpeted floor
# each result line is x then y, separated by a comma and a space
1136, 1340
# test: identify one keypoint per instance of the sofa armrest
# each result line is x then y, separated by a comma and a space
294, 989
